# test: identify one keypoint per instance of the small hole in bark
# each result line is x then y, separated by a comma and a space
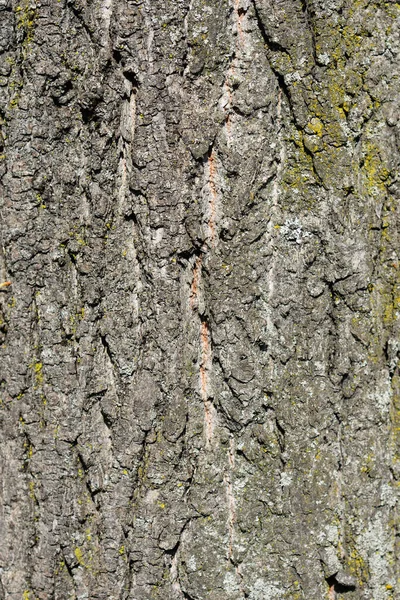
87, 114
132, 77
60, 100
263, 346
117, 56
337, 588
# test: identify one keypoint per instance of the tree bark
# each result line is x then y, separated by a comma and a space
199, 300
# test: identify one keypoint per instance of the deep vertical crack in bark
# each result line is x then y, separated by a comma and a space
205, 371
210, 240
213, 199
194, 288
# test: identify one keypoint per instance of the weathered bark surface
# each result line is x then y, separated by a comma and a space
200, 394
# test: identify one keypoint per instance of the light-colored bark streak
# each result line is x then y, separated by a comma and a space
128, 121
107, 13
176, 586
239, 47
194, 288
279, 106
212, 171
205, 337
226, 102
239, 23
205, 365
205, 357
231, 498
332, 593
340, 496
275, 187
132, 103
228, 125
211, 177
123, 181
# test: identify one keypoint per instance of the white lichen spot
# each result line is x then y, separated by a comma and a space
152, 496
230, 584
292, 231
323, 59
191, 564
376, 545
382, 394
265, 590
295, 76
332, 534
389, 495
286, 479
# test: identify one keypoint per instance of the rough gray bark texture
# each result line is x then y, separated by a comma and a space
200, 392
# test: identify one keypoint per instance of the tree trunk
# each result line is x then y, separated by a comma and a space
200, 392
